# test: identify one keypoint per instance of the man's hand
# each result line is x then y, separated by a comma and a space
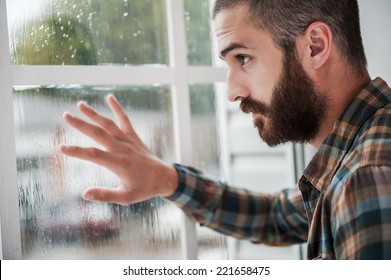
141, 175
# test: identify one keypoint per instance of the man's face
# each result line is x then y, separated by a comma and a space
270, 84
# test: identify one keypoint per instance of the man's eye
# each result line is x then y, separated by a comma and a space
242, 59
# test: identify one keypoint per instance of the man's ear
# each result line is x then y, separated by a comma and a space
315, 44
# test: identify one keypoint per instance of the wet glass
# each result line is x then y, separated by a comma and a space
206, 157
55, 222
88, 32
198, 32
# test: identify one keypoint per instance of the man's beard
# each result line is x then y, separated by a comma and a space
296, 110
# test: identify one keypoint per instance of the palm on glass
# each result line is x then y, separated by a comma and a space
141, 175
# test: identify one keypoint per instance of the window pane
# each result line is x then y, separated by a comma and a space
206, 157
88, 32
55, 222
198, 32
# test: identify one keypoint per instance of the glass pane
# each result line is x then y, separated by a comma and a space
55, 222
198, 32
206, 157
88, 32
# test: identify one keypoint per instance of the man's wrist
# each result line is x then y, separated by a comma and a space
170, 178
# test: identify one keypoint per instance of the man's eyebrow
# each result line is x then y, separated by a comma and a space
230, 48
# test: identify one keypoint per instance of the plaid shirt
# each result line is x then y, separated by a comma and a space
342, 206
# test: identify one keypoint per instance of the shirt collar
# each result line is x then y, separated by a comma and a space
324, 164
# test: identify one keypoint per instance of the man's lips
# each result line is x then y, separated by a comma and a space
250, 106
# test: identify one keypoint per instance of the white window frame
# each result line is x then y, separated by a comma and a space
179, 75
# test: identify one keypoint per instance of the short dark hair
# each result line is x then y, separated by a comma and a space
286, 19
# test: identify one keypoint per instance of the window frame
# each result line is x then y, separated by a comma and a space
10, 243
179, 75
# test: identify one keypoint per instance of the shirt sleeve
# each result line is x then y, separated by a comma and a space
278, 219
362, 215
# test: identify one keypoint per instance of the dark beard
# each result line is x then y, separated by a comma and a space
296, 110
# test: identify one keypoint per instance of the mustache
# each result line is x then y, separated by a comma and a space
249, 105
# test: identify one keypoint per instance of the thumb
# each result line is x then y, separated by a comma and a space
105, 195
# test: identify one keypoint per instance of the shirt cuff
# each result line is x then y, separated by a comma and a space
187, 183
194, 189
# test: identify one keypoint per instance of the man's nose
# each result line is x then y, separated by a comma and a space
236, 87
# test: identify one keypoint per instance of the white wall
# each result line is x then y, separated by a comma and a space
375, 27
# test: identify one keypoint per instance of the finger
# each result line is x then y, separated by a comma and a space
122, 117
94, 132
106, 123
91, 154
107, 195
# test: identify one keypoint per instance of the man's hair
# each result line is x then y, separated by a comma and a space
287, 19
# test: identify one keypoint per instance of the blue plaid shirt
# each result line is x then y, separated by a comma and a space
342, 205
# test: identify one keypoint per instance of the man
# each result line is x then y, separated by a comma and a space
299, 67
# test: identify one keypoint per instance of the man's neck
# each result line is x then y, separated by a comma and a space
341, 90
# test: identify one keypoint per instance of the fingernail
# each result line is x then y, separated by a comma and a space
63, 147
112, 97
88, 196
83, 104
67, 115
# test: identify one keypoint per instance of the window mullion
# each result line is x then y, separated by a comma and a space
9, 202
181, 107
107, 75
206, 74
91, 75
